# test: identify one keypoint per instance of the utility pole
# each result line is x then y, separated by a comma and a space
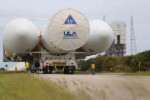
132, 39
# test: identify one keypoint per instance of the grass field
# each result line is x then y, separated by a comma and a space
139, 73
21, 86
147, 73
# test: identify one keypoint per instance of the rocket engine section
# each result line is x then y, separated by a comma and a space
100, 39
68, 30
20, 37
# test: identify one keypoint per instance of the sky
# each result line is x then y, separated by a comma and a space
39, 11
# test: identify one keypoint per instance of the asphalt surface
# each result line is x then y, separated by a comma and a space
103, 86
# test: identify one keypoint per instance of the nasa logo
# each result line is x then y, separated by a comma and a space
70, 20
70, 35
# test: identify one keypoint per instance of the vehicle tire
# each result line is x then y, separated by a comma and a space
66, 70
44, 71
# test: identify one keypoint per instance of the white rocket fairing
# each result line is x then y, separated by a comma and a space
68, 30
100, 38
20, 36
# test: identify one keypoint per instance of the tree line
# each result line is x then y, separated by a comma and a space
139, 62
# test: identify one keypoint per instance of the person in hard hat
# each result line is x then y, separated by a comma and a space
93, 69
27, 65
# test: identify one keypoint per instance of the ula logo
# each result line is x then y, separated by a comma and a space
70, 20
70, 35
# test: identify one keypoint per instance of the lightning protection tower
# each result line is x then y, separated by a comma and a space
132, 39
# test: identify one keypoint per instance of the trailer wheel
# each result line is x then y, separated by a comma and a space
50, 69
44, 71
66, 70
72, 69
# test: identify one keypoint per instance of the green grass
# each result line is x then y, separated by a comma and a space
139, 73
147, 73
21, 86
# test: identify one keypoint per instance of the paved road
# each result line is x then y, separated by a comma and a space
103, 87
